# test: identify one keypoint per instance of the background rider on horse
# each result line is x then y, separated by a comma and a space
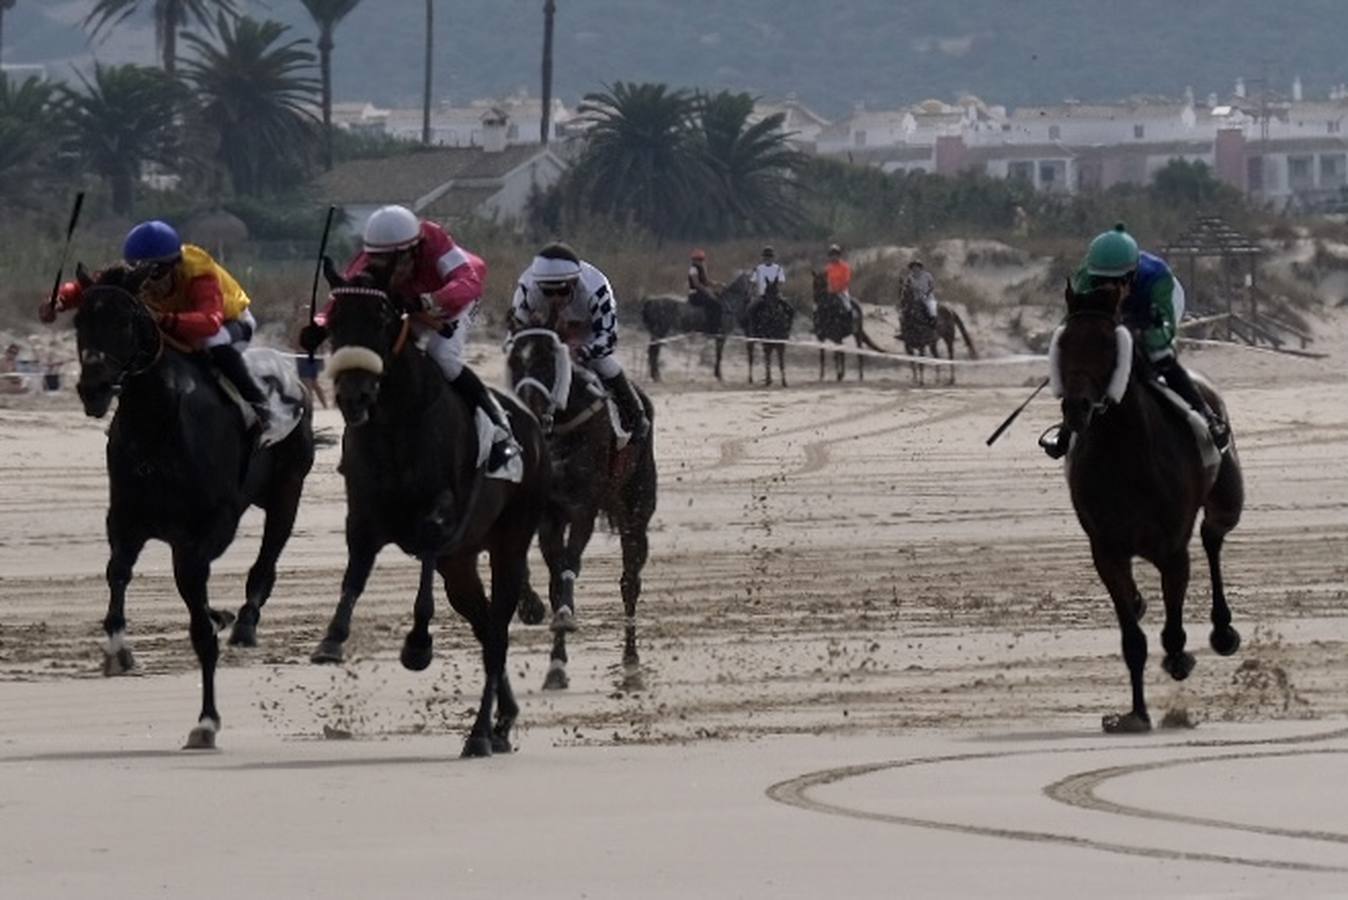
920, 287
561, 292
768, 277
702, 290
196, 303
1151, 304
839, 276
417, 260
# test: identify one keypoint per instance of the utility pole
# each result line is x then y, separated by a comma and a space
545, 125
426, 88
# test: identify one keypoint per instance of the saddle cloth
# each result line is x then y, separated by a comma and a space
280, 380
595, 388
512, 471
1207, 450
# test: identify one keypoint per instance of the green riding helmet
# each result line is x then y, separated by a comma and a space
1112, 254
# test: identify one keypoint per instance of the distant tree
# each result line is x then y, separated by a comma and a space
120, 120
1189, 183
545, 123
327, 14
644, 161
255, 93
426, 87
755, 167
27, 133
170, 17
4, 5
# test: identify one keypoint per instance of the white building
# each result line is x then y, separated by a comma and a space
455, 126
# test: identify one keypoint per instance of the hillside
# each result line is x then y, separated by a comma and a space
881, 52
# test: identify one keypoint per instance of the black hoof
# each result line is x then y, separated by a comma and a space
329, 652
1128, 723
556, 679
476, 746
532, 611
500, 742
119, 663
200, 738
416, 657
244, 634
1178, 665
1225, 641
563, 621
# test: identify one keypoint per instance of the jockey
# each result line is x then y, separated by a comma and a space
196, 302
573, 298
922, 287
1151, 303
768, 277
701, 289
418, 259
839, 276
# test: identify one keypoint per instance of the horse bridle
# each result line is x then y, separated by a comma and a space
558, 394
1112, 393
128, 368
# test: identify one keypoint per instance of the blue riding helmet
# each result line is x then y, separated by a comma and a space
152, 241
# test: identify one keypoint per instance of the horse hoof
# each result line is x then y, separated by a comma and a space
201, 738
1128, 723
500, 743
416, 657
119, 663
531, 609
1225, 641
329, 652
563, 621
1178, 665
476, 746
632, 680
244, 634
556, 679
222, 619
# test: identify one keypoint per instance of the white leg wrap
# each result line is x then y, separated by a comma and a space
114, 643
568, 575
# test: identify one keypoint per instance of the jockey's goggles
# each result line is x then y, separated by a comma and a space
556, 288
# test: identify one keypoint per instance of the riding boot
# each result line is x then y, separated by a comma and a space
1178, 380
229, 361
630, 408
1056, 441
503, 445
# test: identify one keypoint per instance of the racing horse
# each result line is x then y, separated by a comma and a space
666, 315
183, 468
592, 473
920, 335
768, 322
1138, 477
835, 321
412, 459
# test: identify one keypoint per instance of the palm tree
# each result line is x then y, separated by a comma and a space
327, 14
170, 16
643, 163
122, 119
255, 91
4, 5
426, 90
549, 14
26, 134
756, 167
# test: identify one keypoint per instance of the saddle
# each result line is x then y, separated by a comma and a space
279, 378
1207, 450
602, 400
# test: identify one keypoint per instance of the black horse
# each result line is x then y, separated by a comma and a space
591, 475
1138, 479
182, 468
920, 335
768, 322
412, 461
665, 316
834, 321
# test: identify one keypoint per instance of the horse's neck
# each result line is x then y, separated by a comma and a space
415, 395
1128, 429
149, 398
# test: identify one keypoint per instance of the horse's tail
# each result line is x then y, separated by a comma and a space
964, 332
864, 340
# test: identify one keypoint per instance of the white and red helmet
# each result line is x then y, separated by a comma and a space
391, 228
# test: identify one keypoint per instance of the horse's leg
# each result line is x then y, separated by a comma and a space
361, 551
416, 653
720, 349
552, 543
750, 345
950, 351
768, 350
821, 363
653, 359
1221, 513
126, 546
191, 574
861, 360
781, 362
635, 552
282, 506
1117, 574
463, 587
509, 565
1174, 584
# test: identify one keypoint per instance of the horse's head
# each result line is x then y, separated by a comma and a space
115, 333
538, 369
1091, 356
367, 329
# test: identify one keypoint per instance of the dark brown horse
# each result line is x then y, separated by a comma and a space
591, 475
835, 320
667, 317
920, 335
412, 462
1138, 479
768, 322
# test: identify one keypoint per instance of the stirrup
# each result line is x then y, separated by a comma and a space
503, 450
1220, 433
1053, 446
